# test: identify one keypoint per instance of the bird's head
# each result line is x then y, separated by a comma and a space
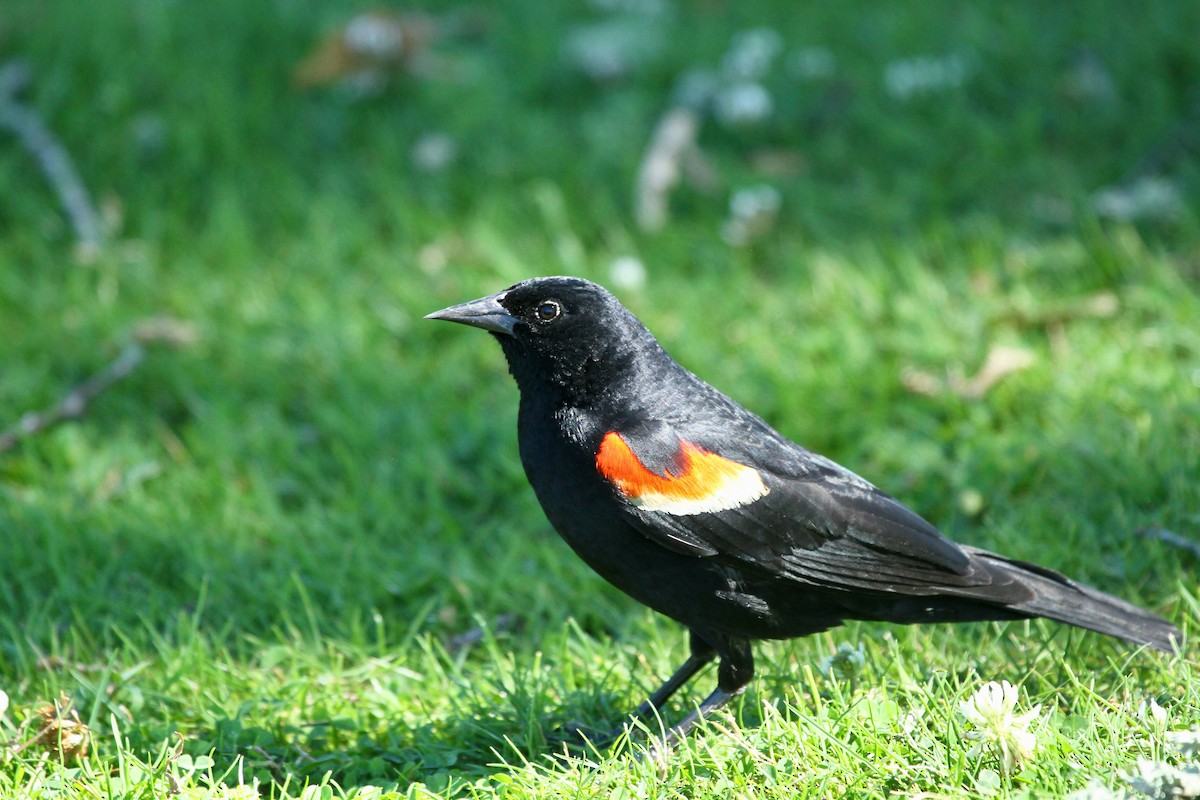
566, 332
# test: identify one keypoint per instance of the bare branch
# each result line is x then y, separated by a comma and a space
1172, 539
76, 401
672, 150
1000, 362
40, 142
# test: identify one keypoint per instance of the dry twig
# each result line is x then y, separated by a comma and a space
671, 153
1000, 361
41, 143
1171, 539
76, 401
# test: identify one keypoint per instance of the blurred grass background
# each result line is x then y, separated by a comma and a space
267, 540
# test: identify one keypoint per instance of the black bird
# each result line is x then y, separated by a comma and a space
699, 509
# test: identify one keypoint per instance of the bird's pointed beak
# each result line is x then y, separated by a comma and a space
486, 313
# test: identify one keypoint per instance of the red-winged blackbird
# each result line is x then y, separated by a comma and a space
697, 508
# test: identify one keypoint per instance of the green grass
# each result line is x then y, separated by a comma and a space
250, 564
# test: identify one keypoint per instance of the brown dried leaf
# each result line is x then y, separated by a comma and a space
62, 734
368, 48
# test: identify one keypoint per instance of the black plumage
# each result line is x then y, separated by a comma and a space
696, 507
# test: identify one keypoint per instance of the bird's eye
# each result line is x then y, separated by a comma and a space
548, 310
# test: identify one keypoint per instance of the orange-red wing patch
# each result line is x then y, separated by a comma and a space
705, 482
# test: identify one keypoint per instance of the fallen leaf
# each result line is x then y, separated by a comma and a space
62, 734
366, 51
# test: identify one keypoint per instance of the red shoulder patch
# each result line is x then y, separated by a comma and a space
707, 482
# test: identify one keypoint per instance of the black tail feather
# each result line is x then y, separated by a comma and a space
1059, 598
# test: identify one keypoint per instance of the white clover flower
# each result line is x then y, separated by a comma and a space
1151, 711
1146, 198
1160, 779
433, 152
844, 663
743, 103
752, 213
1186, 743
1095, 791
611, 50
627, 272
752, 54
912, 720
992, 711
378, 35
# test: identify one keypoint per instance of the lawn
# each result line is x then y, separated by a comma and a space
292, 552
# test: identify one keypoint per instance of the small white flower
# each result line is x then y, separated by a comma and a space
844, 663
375, 34
611, 50
433, 152
992, 711
1152, 712
1160, 779
912, 721
751, 202
743, 103
752, 54
1186, 743
1095, 791
752, 213
1146, 198
627, 272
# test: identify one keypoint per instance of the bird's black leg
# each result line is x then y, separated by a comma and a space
702, 653
734, 674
